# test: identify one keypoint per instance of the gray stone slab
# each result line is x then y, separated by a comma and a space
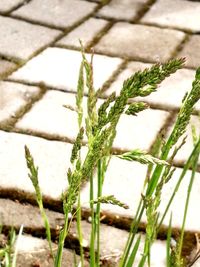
13, 97
7, 5
52, 158
132, 130
125, 181
6, 67
174, 13
195, 255
57, 13
31, 249
169, 93
86, 32
122, 10
50, 109
112, 243
177, 207
59, 68
140, 42
191, 52
14, 214
34, 251
20, 40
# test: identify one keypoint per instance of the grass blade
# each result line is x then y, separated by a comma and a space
168, 247
134, 252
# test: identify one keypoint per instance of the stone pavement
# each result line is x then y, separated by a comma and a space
39, 63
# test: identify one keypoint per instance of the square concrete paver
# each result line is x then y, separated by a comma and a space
20, 40
59, 68
191, 52
57, 13
33, 251
139, 131
177, 207
140, 42
7, 5
174, 13
52, 158
124, 10
86, 32
125, 180
50, 117
111, 251
14, 214
6, 67
13, 97
169, 93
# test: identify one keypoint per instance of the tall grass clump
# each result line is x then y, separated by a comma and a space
99, 126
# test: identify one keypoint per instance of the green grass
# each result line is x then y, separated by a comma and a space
99, 125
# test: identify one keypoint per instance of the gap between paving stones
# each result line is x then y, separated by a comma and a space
180, 48
13, 7
88, 47
6, 68
164, 27
11, 121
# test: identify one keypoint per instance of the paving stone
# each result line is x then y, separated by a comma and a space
7, 5
59, 68
177, 208
20, 40
50, 108
162, 14
124, 10
57, 13
190, 51
85, 32
193, 255
111, 251
14, 214
185, 151
14, 97
52, 158
132, 131
6, 67
125, 181
140, 42
34, 251
168, 95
